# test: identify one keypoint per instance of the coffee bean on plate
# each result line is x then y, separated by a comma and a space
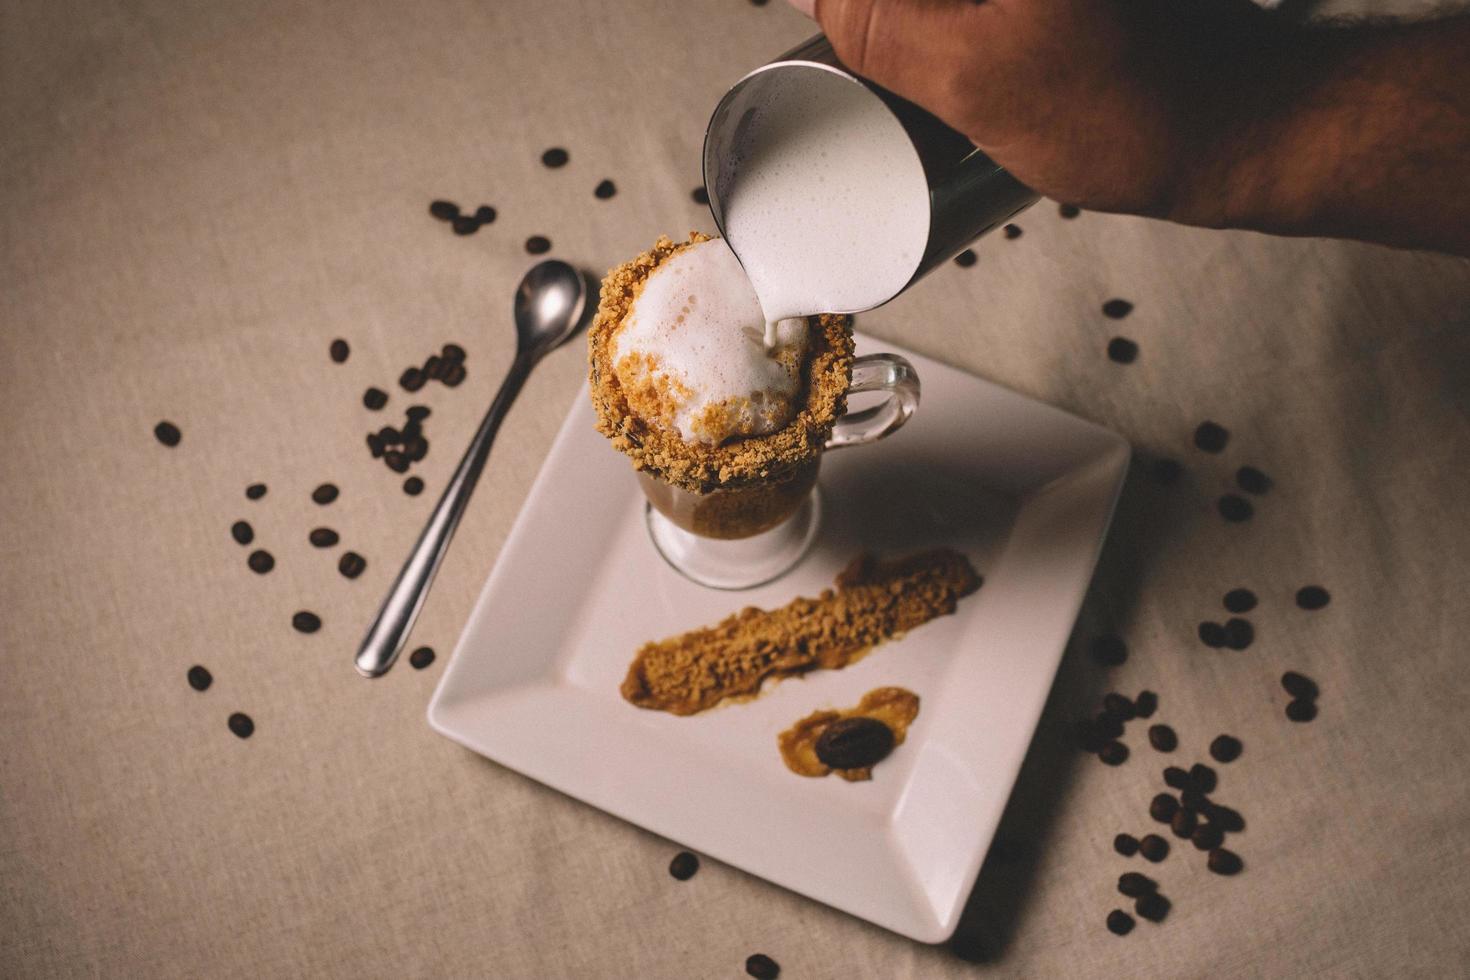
241, 725
444, 210
1240, 600
1154, 848
1207, 836
1176, 777
1133, 884
1299, 685
411, 379
255, 491
322, 537
260, 561
1163, 807
242, 532
1117, 309
1113, 754
1184, 823
167, 433
1145, 704
1121, 350
1203, 777
325, 494
1211, 437
604, 190
200, 678
351, 564
1225, 748
421, 658
1120, 923
306, 622
854, 743
1109, 650
1224, 862
1152, 907
374, 399
339, 350
1126, 845
1235, 508
1252, 480
762, 967
1239, 633
1309, 597
1212, 635
1301, 710
413, 486
683, 866
1162, 738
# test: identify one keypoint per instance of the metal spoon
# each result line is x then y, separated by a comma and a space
548, 309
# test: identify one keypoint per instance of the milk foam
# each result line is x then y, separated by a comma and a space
826, 201
694, 336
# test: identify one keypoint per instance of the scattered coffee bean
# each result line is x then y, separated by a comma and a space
1109, 650
397, 462
200, 678
1117, 309
413, 486
452, 352
538, 245
1207, 836
444, 210
762, 967
1162, 738
1212, 635
700, 195
454, 375
1225, 748
1145, 704
421, 658
966, 258
1239, 633
241, 725
1113, 754
464, 225
1226, 818
167, 433
260, 561
1192, 798
1126, 845
1176, 778
555, 157
1167, 471
1152, 907
306, 622
1153, 847
1252, 480
1118, 706
411, 380
417, 413
374, 399
1308, 597
242, 532
1235, 508
415, 448
255, 491
854, 743
1121, 350
1210, 437
604, 190
1224, 862
1134, 885
375, 444
1163, 807
1013, 232
1203, 777
485, 214
325, 494
1068, 211
1299, 685
683, 866
1240, 601
351, 564
1300, 710
322, 537
339, 350
1120, 923
435, 367
390, 436
1183, 823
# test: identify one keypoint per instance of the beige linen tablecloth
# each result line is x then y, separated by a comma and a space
197, 198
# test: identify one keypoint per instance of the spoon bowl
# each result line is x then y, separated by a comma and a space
549, 304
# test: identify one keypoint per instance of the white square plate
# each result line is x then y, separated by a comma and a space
1024, 489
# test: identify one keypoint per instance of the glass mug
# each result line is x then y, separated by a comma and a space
750, 535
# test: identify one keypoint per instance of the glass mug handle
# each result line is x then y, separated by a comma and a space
877, 372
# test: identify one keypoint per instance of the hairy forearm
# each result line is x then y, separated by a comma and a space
1356, 131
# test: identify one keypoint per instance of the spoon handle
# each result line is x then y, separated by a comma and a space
384, 639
